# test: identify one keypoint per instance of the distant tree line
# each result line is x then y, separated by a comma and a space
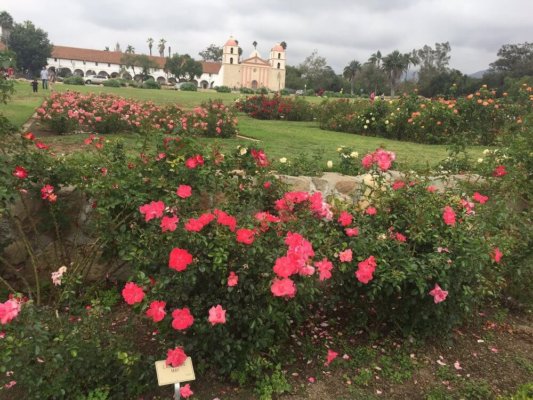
390, 74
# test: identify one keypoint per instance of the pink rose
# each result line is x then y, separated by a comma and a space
217, 315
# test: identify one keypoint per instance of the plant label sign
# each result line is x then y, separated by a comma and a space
167, 375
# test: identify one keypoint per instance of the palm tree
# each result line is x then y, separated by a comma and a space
394, 64
150, 42
130, 49
254, 44
161, 47
375, 58
411, 59
6, 22
350, 72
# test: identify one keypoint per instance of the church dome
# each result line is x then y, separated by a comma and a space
278, 48
231, 42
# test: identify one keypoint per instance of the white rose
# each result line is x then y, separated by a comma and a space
486, 151
283, 160
243, 151
354, 154
330, 164
479, 160
366, 126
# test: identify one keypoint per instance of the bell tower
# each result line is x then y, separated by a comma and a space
230, 52
277, 57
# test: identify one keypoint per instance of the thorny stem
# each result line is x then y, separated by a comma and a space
28, 288
7, 284
33, 263
58, 236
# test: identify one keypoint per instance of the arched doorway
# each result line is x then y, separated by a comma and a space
127, 76
65, 72
77, 72
114, 75
103, 73
254, 84
204, 84
161, 80
90, 72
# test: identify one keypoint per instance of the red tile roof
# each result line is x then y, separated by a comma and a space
112, 57
211, 67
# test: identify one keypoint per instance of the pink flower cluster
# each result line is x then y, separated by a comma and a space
382, 158
20, 172
47, 193
314, 201
9, 311
365, 270
260, 158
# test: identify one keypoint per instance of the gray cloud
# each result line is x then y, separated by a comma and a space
340, 30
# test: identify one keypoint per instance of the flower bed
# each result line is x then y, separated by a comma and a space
276, 107
104, 113
475, 119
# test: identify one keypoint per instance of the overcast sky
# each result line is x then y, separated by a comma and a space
340, 30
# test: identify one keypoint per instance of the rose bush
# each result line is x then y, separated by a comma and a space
105, 113
478, 118
276, 107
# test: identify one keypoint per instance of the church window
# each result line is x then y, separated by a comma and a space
279, 55
96, 64
279, 65
231, 60
231, 50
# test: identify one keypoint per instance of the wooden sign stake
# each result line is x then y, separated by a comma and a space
177, 395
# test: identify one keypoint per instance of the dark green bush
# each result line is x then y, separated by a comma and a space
151, 84
74, 80
189, 87
113, 83
223, 89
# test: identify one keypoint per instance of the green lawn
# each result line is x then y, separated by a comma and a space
286, 139
278, 138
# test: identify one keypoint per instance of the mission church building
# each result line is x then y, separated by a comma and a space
253, 72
